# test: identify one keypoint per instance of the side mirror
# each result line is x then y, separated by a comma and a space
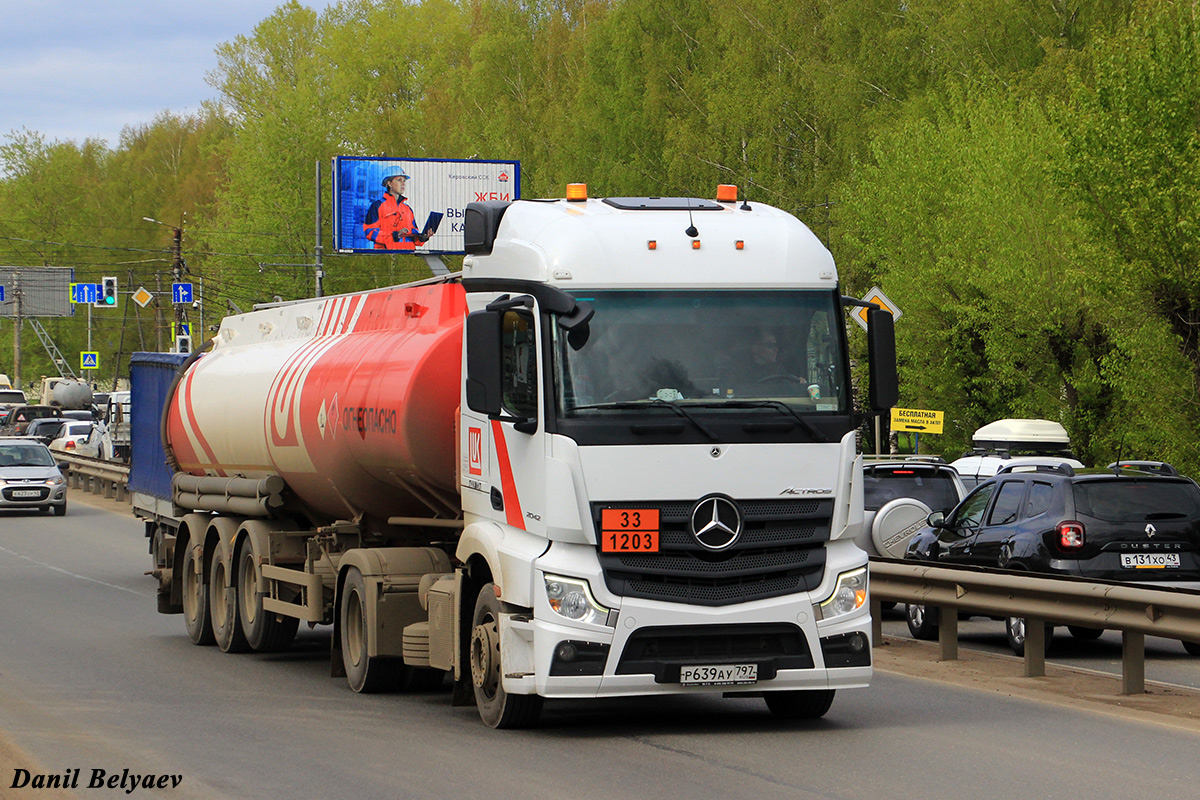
484, 380
881, 352
936, 520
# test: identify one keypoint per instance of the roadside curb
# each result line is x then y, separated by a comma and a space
1075, 688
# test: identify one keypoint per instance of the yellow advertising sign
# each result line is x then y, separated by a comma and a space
915, 419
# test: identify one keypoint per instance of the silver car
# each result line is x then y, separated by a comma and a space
29, 477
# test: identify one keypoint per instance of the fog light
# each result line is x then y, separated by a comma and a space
573, 658
846, 650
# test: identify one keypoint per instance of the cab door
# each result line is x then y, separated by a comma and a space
505, 453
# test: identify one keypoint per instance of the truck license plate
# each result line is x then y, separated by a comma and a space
19, 493
1149, 560
718, 674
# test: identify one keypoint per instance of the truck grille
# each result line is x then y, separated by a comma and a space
780, 551
661, 651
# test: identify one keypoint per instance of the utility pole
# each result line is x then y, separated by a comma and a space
177, 272
17, 332
177, 267
319, 250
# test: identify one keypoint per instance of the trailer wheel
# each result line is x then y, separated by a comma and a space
366, 674
195, 597
800, 704
223, 604
497, 708
265, 632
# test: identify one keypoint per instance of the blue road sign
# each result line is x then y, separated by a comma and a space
85, 292
1, 294
89, 360
181, 293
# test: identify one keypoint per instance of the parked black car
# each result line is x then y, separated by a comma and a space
1115, 525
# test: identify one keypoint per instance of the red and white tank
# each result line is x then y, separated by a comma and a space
352, 400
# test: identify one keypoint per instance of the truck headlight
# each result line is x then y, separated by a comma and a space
850, 594
572, 598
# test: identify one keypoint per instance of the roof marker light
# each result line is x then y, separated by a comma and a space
726, 193
576, 192
739, 245
652, 245
695, 244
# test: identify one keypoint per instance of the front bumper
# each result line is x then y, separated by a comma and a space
44, 495
641, 654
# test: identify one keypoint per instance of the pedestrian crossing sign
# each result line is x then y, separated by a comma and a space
89, 360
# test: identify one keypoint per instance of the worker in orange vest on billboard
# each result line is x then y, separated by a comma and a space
390, 223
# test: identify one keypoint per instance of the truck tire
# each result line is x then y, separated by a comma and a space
264, 632
196, 615
799, 704
223, 604
365, 673
497, 708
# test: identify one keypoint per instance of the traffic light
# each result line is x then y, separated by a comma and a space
183, 343
108, 292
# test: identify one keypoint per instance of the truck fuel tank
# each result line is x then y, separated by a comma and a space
351, 400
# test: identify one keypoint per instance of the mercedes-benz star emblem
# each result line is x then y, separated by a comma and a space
716, 522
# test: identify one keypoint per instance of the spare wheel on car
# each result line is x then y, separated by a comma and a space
896, 523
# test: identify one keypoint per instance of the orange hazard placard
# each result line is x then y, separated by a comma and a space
629, 530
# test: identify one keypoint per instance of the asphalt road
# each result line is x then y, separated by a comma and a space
91, 677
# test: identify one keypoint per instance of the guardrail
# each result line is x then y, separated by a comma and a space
96, 475
1134, 610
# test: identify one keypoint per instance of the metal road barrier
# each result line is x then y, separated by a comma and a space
95, 475
1134, 610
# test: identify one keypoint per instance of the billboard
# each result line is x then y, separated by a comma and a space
422, 212
42, 291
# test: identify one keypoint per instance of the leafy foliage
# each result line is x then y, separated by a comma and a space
1021, 178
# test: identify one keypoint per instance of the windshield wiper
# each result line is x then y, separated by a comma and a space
654, 403
779, 405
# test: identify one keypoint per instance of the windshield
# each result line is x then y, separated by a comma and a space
705, 349
1136, 501
25, 455
935, 489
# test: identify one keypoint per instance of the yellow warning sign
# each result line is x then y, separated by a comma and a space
878, 298
916, 419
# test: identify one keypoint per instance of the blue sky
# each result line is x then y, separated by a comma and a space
87, 68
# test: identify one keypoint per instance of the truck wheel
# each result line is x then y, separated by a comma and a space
801, 704
265, 632
497, 708
195, 599
366, 674
222, 602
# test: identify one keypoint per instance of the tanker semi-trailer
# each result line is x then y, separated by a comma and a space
615, 455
